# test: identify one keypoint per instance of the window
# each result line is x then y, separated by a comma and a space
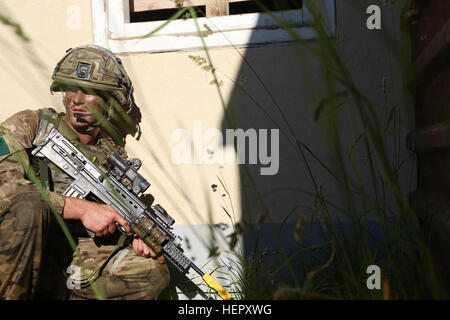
156, 10
123, 25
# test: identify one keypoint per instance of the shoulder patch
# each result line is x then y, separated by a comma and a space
3, 147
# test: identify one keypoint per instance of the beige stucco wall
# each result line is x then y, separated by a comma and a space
27, 66
173, 92
170, 89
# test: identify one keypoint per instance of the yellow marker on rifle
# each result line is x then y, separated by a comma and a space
216, 286
212, 283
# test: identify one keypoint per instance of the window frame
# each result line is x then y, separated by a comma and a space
112, 29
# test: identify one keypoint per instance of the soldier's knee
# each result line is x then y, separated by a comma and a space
29, 210
128, 277
140, 278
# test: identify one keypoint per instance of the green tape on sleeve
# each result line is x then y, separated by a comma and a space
3, 147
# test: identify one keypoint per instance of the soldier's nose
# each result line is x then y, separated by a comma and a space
79, 97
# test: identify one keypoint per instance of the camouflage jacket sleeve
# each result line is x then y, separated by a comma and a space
16, 135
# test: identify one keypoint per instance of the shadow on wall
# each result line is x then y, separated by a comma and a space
288, 160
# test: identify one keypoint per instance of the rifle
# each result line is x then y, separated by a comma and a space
120, 187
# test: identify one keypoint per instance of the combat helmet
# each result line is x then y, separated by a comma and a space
96, 68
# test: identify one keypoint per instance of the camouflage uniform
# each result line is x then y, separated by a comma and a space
33, 250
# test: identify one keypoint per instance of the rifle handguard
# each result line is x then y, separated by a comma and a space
150, 234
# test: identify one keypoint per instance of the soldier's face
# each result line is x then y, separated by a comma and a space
82, 102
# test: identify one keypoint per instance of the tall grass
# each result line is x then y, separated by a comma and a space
370, 230
336, 266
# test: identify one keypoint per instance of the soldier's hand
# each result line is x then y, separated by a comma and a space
99, 218
143, 250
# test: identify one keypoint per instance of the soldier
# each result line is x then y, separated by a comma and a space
96, 90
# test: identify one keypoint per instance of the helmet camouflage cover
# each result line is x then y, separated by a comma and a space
96, 68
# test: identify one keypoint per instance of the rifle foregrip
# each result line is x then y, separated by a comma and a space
150, 234
216, 286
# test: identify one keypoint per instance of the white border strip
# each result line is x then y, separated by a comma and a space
111, 30
241, 38
216, 24
99, 22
